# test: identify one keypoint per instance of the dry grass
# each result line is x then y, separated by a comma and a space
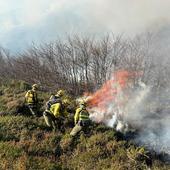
27, 144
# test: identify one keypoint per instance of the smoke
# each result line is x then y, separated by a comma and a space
24, 21
154, 122
129, 106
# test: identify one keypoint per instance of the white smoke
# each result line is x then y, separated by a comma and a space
141, 113
24, 21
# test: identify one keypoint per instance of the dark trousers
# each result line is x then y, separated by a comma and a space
33, 109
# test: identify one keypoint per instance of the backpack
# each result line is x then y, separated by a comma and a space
53, 99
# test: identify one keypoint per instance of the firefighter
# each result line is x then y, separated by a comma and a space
31, 100
55, 99
81, 119
56, 114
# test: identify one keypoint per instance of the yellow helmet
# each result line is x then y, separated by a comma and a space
35, 86
60, 93
83, 102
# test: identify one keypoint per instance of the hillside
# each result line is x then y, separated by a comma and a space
27, 144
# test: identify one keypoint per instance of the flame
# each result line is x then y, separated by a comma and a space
110, 92
110, 89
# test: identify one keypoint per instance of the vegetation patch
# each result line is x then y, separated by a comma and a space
26, 143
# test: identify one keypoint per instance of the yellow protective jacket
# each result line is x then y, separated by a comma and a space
31, 97
57, 110
81, 114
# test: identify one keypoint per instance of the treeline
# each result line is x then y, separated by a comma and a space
81, 64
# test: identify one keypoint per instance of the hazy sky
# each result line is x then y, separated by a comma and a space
26, 21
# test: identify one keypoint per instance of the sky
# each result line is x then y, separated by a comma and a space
25, 21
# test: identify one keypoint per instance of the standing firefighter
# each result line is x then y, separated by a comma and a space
31, 99
81, 119
55, 114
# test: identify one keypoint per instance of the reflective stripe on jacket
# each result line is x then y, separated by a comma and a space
81, 114
31, 97
84, 115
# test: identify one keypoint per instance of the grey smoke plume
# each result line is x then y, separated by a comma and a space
154, 116
145, 111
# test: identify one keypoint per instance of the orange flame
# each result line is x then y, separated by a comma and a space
109, 91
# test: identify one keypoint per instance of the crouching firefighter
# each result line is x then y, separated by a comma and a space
55, 99
31, 100
55, 115
81, 119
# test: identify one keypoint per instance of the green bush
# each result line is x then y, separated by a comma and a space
10, 150
26, 143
